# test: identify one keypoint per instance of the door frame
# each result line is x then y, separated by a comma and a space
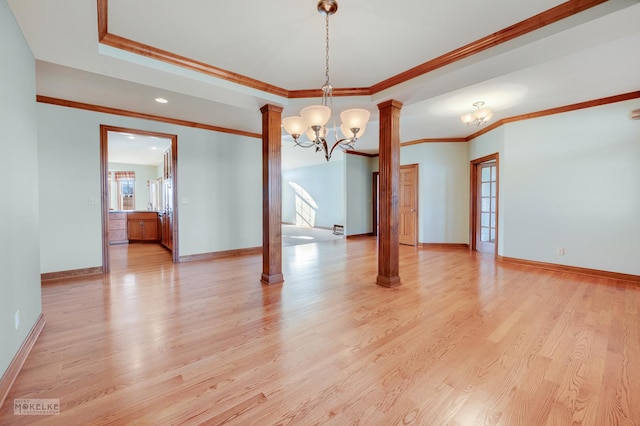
473, 203
104, 186
416, 195
374, 197
374, 207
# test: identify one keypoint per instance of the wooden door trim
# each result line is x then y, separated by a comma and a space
415, 166
104, 186
473, 200
374, 196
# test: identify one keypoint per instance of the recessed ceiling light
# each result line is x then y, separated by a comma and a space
161, 100
154, 148
131, 137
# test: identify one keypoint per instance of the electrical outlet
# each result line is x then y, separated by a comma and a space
560, 251
17, 319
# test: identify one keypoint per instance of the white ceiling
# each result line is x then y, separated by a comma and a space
588, 56
129, 148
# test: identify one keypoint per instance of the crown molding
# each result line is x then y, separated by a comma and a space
188, 63
533, 23
143, 116
551, 111
362, 154
558, 110
433, 140
519, 29
317, 93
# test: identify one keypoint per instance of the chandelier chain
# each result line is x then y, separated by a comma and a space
314, 120
327, 83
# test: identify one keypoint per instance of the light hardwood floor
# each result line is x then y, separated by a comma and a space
463, 341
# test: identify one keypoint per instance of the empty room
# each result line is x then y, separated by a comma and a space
320, 212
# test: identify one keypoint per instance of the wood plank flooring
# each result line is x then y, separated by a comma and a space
463, 341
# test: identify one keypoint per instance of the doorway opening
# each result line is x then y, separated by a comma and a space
408, 204
139, 203
484, 204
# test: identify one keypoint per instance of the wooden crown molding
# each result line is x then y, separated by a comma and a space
433, 140
519, 29
122, 43
190, 64
537, 114
362, 154
551, 111
317, 93
103, 21
533, 23
557, 110
126, 113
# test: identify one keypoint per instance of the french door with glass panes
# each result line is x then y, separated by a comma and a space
486, 206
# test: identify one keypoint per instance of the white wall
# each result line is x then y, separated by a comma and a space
220, 179
219, 187
325, 184
359, 186
443, 190
572, 180
19, 229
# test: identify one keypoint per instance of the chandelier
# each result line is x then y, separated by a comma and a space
477, 117
313, 119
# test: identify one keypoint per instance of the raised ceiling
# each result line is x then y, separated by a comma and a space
375, 47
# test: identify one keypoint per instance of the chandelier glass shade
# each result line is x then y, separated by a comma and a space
478, 117
314, 120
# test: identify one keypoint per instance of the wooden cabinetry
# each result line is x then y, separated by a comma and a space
118, 228
166, 229
166, 219
143, 226
161, 226
168, 164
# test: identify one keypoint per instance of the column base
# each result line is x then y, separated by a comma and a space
272, 279
388, 281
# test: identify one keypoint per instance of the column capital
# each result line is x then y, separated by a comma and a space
270, 107
391, 103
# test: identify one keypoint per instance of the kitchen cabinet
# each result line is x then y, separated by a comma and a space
143, 226
168, 164
118, 228
166, 229
165, 217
